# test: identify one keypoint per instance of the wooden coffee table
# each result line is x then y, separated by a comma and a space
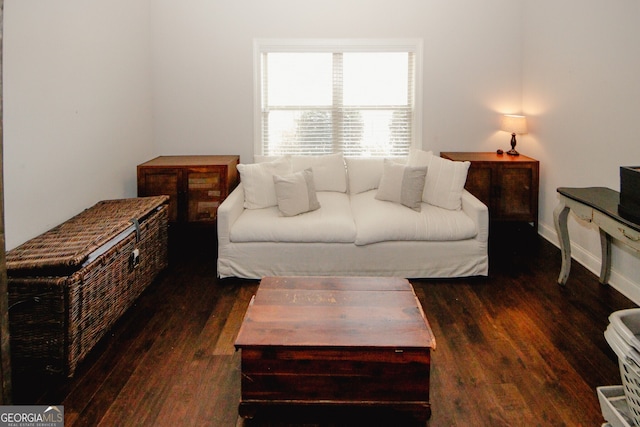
327, 341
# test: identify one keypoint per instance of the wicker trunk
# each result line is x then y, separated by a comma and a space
69, 285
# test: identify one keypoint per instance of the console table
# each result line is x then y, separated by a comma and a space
599, 206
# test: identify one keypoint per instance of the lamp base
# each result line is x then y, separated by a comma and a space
513, 151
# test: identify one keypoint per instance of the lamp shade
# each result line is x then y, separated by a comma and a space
514, 124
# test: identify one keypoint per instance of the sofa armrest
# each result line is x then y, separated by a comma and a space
228, 212
478, 212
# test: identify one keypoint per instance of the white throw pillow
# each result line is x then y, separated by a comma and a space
329, 172
445, 179
402, 184
296, 193
257, 180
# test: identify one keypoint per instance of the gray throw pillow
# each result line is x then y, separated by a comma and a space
402, 184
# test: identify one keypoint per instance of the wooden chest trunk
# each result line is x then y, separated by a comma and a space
329, 342
69, 285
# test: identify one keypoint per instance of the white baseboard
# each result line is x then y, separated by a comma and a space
592, 262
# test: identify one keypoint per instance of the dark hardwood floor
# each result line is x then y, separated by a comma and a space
513, 349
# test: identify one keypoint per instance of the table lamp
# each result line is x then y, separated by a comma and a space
514, 124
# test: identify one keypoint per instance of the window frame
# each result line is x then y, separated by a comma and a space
412, 45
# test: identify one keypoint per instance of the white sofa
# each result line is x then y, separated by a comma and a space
353, 232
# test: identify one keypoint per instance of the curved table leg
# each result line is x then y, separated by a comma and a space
605, 267
560, 220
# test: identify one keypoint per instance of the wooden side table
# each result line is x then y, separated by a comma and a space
508, 185
196, 185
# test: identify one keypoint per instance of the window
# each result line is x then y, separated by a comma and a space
357, 97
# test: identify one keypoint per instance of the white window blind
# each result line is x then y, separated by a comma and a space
320, 98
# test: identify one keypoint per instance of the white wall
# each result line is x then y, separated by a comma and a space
93, 88
581, 85
203, 64
77, 107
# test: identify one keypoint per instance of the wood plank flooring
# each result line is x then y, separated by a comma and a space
513, 349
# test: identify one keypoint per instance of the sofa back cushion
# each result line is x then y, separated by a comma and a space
329, 172
364, 173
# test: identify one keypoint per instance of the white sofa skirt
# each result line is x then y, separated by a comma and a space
398, 259
408, 259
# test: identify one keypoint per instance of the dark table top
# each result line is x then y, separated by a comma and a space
346, 312
602, 199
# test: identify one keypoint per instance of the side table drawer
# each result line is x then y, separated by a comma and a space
616, 230
583, 212
205, 192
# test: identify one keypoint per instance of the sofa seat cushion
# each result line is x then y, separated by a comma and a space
380, 221
331, 223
